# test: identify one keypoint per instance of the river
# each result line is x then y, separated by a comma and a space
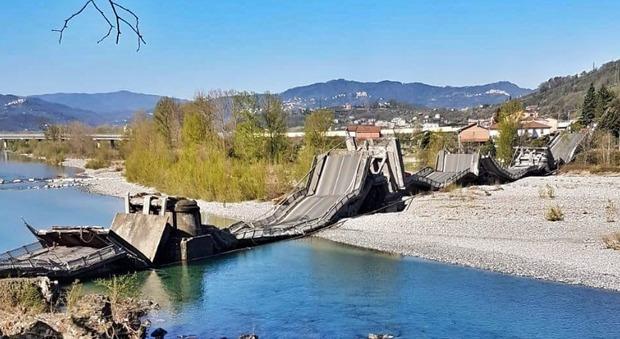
314, 288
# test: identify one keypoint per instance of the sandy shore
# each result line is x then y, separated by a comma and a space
503, 228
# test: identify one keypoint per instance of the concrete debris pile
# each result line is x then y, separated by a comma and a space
155, 230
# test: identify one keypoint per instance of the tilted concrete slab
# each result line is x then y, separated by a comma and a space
146, 234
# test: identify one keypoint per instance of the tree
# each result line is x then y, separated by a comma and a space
248, 141
315, 129
603, 100
610, 120
588, 112
275, 126
509, 115
195, 129
168, 119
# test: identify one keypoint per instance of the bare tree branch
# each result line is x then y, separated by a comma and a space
114, 7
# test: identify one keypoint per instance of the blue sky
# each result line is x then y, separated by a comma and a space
274, 45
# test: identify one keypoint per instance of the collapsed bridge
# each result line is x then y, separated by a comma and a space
159, 230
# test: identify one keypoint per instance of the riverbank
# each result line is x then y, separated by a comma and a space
110, 181
499, 228
503, 228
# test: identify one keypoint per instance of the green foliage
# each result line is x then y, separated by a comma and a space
248, 141
275, 126
73, 295
603, 100
610, 120
195, 129
22, 296
488, 148
430, 143
120, 287
316, 126
168, 119
509, 109
204, 166
588, 111
509, 116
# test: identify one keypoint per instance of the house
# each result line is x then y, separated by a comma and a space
473, 133
363, 132
533, 128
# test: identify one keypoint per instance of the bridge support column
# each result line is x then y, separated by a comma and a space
5, 145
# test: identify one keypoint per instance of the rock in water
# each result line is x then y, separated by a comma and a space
248, 336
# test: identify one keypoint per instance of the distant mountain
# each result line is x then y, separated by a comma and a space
341, 92
563, 95
114, 107
27, 113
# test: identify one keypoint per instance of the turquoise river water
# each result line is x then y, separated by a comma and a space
314, 288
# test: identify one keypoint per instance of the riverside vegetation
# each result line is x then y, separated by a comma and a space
223, 147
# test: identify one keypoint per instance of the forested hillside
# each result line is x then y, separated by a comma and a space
563, 96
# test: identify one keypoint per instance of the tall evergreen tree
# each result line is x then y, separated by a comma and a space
610, 120
588, 111
604, 97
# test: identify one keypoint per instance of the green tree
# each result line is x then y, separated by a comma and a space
588, 111
274, 118
316, 126
610, 120
248, 141
509, 116
195, 129
168, 119
604, 97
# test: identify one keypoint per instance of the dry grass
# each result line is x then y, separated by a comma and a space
546, 192
22, 295
612, 241
73, 295
611, 211
554, 213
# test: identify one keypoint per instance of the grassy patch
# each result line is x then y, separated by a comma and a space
97, 163
120, 287
22, 295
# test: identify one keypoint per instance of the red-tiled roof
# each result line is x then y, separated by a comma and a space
364, 129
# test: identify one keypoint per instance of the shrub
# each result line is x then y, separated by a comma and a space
97, 163
554, 213
120, 287
546, 191
22, 295
73, 295
612, 241
611, 211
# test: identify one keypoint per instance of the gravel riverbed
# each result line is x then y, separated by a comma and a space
502, 228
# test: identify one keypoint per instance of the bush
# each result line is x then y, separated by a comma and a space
612, 241
546, 191
120, 287
97, 163
22, 295
73, 295
554, 213
611, 211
